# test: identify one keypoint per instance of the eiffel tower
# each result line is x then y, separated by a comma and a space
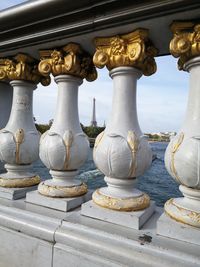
93, 121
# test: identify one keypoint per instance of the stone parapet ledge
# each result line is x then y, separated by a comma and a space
96, 243
69, 239
21, 219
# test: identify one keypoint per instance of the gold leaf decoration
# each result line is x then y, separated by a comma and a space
19, 139
133, 142
68, 140
181, 214
174, 149
70, 59
98, 139
121, 204
133, 49
22, 67
186, 41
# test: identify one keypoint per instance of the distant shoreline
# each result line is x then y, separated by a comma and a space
158, 141
92, 141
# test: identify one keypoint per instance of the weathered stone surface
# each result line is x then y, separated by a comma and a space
132, 219
62, 204
15, 193
34, 236
19, 250
170, 228
83, 239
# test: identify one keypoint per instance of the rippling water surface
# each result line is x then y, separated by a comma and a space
156, 181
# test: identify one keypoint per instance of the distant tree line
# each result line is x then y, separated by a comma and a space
90, 131
42, 128
156, 137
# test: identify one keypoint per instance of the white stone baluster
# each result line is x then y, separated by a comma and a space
182, 157
6, 93
122, 152
19, 140
64, 148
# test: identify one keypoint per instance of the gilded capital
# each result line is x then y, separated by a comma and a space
133, 49
186, 41
70, 59
21, 67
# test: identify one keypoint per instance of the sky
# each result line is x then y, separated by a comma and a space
8, 3
161, 98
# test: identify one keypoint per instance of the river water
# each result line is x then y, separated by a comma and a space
156, 181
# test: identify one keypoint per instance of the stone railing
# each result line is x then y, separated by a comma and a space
121, 152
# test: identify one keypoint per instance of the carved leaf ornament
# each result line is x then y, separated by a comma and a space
186, 41
22, 67
70, 59
132, 49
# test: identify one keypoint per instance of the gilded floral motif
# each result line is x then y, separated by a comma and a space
133, 49
186, 41
21, 67
70, 59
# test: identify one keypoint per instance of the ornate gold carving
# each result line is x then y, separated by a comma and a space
98, 139
181, 214
121, 204
62, 191
133, 49
18, 183
133, 142
19, 139
175, 147
68, 140
22, 67
70, 59
186, 41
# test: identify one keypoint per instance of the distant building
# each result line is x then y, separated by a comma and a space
93, 120
161, 136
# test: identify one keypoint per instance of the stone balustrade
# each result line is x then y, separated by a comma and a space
121, 152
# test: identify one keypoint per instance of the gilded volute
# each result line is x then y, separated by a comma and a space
21, 67
186, 41
70, 59
133, 49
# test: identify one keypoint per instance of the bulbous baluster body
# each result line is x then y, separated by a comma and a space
182, 157
122, 152
19, 140
64, 148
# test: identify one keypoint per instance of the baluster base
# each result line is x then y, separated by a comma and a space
140, 201
172, 229
62, 185
61, 204
130, 219
121, 195
185, 209
18, 176
15, 193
